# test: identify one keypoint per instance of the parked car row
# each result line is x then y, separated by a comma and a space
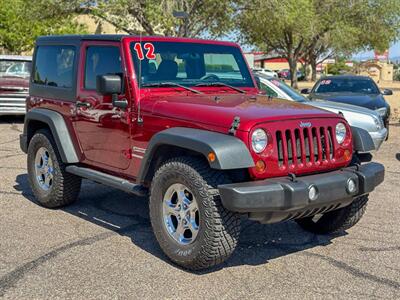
361, 117
266, 72
285, 74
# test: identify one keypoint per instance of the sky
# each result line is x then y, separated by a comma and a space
394, 51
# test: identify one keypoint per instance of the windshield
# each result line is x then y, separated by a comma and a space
190, 64
15, 68
347, 85
292, 93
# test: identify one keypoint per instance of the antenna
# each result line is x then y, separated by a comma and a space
140, 119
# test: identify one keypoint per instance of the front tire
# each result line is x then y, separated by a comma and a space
336, 221
185, 188
52, 186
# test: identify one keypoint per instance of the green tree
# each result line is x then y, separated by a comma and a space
282, 26
318, 29
347, 26
339, 67
204, 17
22, 21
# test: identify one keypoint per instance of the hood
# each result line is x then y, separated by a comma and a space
337, 107
369, 101
220, 110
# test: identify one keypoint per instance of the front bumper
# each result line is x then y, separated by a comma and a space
279, 199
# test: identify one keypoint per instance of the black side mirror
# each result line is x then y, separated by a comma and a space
387, 92
111, 85
305, 91
108, 84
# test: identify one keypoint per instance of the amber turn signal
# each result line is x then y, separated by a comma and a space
211, 156
260, 166
347, 155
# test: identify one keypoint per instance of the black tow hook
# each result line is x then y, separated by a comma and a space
292, 177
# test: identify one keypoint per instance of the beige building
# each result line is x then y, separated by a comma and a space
377, 70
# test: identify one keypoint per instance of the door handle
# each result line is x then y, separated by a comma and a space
82, 104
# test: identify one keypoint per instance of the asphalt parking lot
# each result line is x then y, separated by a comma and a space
102, 247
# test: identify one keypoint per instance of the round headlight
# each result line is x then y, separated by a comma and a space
340, 132
259, 140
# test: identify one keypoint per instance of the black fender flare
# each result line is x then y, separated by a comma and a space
55, 121
230, 152
362, 140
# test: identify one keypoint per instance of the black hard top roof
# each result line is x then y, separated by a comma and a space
82, 37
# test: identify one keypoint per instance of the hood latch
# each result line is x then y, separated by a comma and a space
235, 125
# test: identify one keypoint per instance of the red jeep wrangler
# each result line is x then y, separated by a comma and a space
181, 120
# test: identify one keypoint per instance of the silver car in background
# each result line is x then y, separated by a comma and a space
356, 116
14, 83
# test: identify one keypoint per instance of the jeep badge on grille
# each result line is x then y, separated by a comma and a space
305, 124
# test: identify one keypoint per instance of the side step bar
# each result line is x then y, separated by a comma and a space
106, 179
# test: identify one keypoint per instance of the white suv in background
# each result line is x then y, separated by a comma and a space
266, 72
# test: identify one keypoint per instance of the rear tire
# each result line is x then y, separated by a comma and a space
52, 186
336, 221
215, 233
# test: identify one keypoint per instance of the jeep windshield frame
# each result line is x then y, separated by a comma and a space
191, 64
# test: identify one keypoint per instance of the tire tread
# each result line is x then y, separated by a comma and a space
223, 226
68, 185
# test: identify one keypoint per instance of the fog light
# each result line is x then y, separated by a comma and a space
312, 192
351, 186
347, 155
260, 166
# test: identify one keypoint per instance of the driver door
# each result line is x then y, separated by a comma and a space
103, 131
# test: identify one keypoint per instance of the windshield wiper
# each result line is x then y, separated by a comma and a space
155, 84
221, 84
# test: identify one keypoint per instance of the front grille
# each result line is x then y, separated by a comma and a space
304, 146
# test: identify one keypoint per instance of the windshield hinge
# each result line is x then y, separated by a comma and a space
235, 125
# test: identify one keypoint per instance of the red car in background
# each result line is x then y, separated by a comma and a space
14, 83
285, 74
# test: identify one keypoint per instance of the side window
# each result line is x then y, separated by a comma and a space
101, 60
270, 92
54, 66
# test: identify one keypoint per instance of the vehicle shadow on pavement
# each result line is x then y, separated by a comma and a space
128, 215
398, 156
12, 119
